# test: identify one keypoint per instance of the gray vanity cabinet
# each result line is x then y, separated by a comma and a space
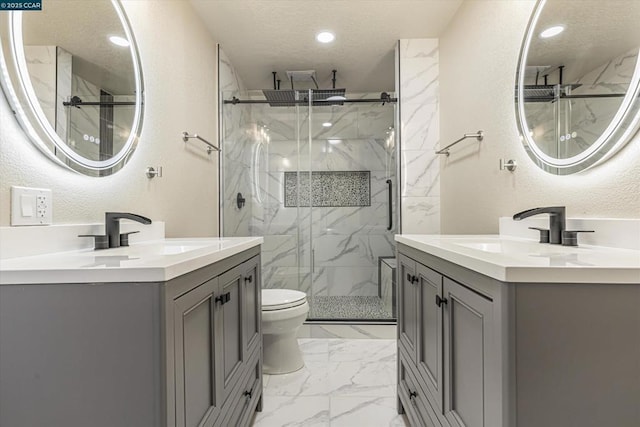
407, 306
217, 348
468, 339
420, 322
197, 323
474, 351
180, 353
252, 307
445, 348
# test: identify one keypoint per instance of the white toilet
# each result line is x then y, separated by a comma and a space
283, 312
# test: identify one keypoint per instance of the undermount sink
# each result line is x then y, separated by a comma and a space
175, 247
486, 247
511, 247
166, 247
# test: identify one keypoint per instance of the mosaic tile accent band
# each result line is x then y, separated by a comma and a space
329, 189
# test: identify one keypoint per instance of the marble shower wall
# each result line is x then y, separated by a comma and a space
237, 142
420, 135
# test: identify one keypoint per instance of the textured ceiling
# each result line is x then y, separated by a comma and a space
261, 36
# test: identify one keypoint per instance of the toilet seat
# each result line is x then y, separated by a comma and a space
280, 299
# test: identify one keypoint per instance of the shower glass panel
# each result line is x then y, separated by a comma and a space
323, 196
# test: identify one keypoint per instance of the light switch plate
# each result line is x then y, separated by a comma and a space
31, 206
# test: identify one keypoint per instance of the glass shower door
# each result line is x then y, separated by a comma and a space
319, 184
352, 218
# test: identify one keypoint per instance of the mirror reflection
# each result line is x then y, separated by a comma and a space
577, 80
76, 63
85, 85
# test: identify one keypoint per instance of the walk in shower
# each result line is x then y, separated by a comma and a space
314, 172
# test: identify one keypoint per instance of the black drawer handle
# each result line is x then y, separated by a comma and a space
248, 279
440, 301
224, 298
412, 279
248, 394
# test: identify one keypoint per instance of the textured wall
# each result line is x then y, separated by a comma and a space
179, 66
419, 136
478, 59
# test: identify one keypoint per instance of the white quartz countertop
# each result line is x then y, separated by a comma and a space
512, 259
150, 261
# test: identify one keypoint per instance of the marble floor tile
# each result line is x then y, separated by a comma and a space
302, 411
362, 350
314, 350
345, 382
351, 331
365, 411
362, 378
311, 380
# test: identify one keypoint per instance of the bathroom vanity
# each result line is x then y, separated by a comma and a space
162, 333
506, 332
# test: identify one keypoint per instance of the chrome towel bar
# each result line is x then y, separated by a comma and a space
478, 135
210, 147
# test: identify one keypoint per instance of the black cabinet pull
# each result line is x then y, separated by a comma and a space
224, 298
440, 301
248, 394
248, 279
412, 396
412, 279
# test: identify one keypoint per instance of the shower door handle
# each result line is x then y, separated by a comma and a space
389, 184
313, 260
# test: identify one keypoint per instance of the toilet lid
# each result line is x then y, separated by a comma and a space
278, 299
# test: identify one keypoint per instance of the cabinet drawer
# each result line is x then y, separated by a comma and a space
245, 398
413, 397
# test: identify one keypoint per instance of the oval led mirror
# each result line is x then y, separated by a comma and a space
578, 82
72, 75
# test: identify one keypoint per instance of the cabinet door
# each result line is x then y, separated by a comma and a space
231, 333
195, 323
468, 339
252, 307
408, 305
429, 355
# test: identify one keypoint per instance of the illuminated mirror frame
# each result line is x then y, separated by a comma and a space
620, 130
18, 89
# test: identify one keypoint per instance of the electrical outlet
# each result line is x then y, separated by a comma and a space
31, 206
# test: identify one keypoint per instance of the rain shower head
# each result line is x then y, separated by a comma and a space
287, 97
290, 97
544, 93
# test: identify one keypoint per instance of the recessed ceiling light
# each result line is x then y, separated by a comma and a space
327, 124
334, 141
325, 37
552, 31
119, 41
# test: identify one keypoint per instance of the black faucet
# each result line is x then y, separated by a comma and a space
112, 227
557, 221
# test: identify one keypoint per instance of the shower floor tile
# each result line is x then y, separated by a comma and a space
348, 307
